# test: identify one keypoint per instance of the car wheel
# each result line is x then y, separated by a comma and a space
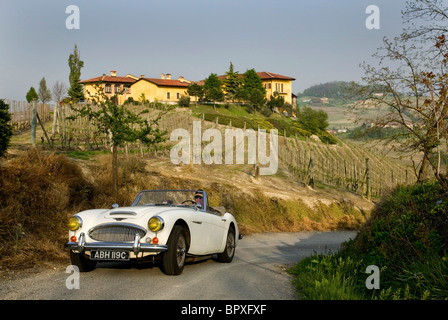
82, 262
229, 251
174, 258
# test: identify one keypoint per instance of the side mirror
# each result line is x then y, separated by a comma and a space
115, 205
197, 206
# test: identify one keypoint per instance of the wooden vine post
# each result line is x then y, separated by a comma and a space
368, 191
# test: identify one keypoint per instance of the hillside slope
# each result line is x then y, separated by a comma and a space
264, 203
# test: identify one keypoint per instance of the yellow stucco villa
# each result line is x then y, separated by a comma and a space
110, 84
277, 83
168, 90
162, 89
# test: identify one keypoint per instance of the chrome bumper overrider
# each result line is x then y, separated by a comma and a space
135, 247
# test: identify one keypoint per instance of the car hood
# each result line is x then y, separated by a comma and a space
128, 214
138, 212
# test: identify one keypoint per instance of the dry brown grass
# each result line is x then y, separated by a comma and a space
38, 191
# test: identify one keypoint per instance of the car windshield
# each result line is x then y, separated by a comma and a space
170, 198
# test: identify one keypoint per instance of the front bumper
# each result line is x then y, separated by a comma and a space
135, 247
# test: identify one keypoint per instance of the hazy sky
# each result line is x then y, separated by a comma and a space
314, 41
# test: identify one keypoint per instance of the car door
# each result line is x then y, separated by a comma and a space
215, 228
207, 233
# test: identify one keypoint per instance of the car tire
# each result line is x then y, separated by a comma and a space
173, 259
83, 263
229, 250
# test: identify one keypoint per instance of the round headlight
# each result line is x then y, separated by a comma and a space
74, 223
155, 224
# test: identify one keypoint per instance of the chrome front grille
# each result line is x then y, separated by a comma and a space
116, 232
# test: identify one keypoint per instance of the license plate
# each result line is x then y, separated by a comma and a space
109, 255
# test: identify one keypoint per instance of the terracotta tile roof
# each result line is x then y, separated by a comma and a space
175, 82
269, 75
167, 82
263, 76
112, 79
202, 82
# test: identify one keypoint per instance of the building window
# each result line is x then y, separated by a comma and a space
279, 87
178, 96
117, 88
267, 86
168, 95
108, 88
127, 89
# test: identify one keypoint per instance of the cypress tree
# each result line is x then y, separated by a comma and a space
75, 91
231, 83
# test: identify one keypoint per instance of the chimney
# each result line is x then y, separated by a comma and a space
113, 73
168, 76
162, 76
181, 79
142, 76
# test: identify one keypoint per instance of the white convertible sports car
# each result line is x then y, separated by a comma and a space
165, 224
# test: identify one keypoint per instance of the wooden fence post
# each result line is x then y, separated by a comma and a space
392, 177
345, 175
311, 168
33, 124
368, 193
355, 179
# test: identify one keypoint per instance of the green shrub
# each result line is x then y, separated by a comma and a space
326, 137
406, 237
184, 101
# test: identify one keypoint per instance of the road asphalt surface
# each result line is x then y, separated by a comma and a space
258, 272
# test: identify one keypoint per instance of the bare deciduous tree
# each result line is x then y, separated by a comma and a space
412, 87
425, 19
59, 91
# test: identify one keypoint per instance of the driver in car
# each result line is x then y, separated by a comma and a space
199, 198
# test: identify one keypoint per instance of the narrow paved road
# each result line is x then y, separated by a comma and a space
258, 272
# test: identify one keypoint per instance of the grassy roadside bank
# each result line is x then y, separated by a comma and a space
406, 237
39, 190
